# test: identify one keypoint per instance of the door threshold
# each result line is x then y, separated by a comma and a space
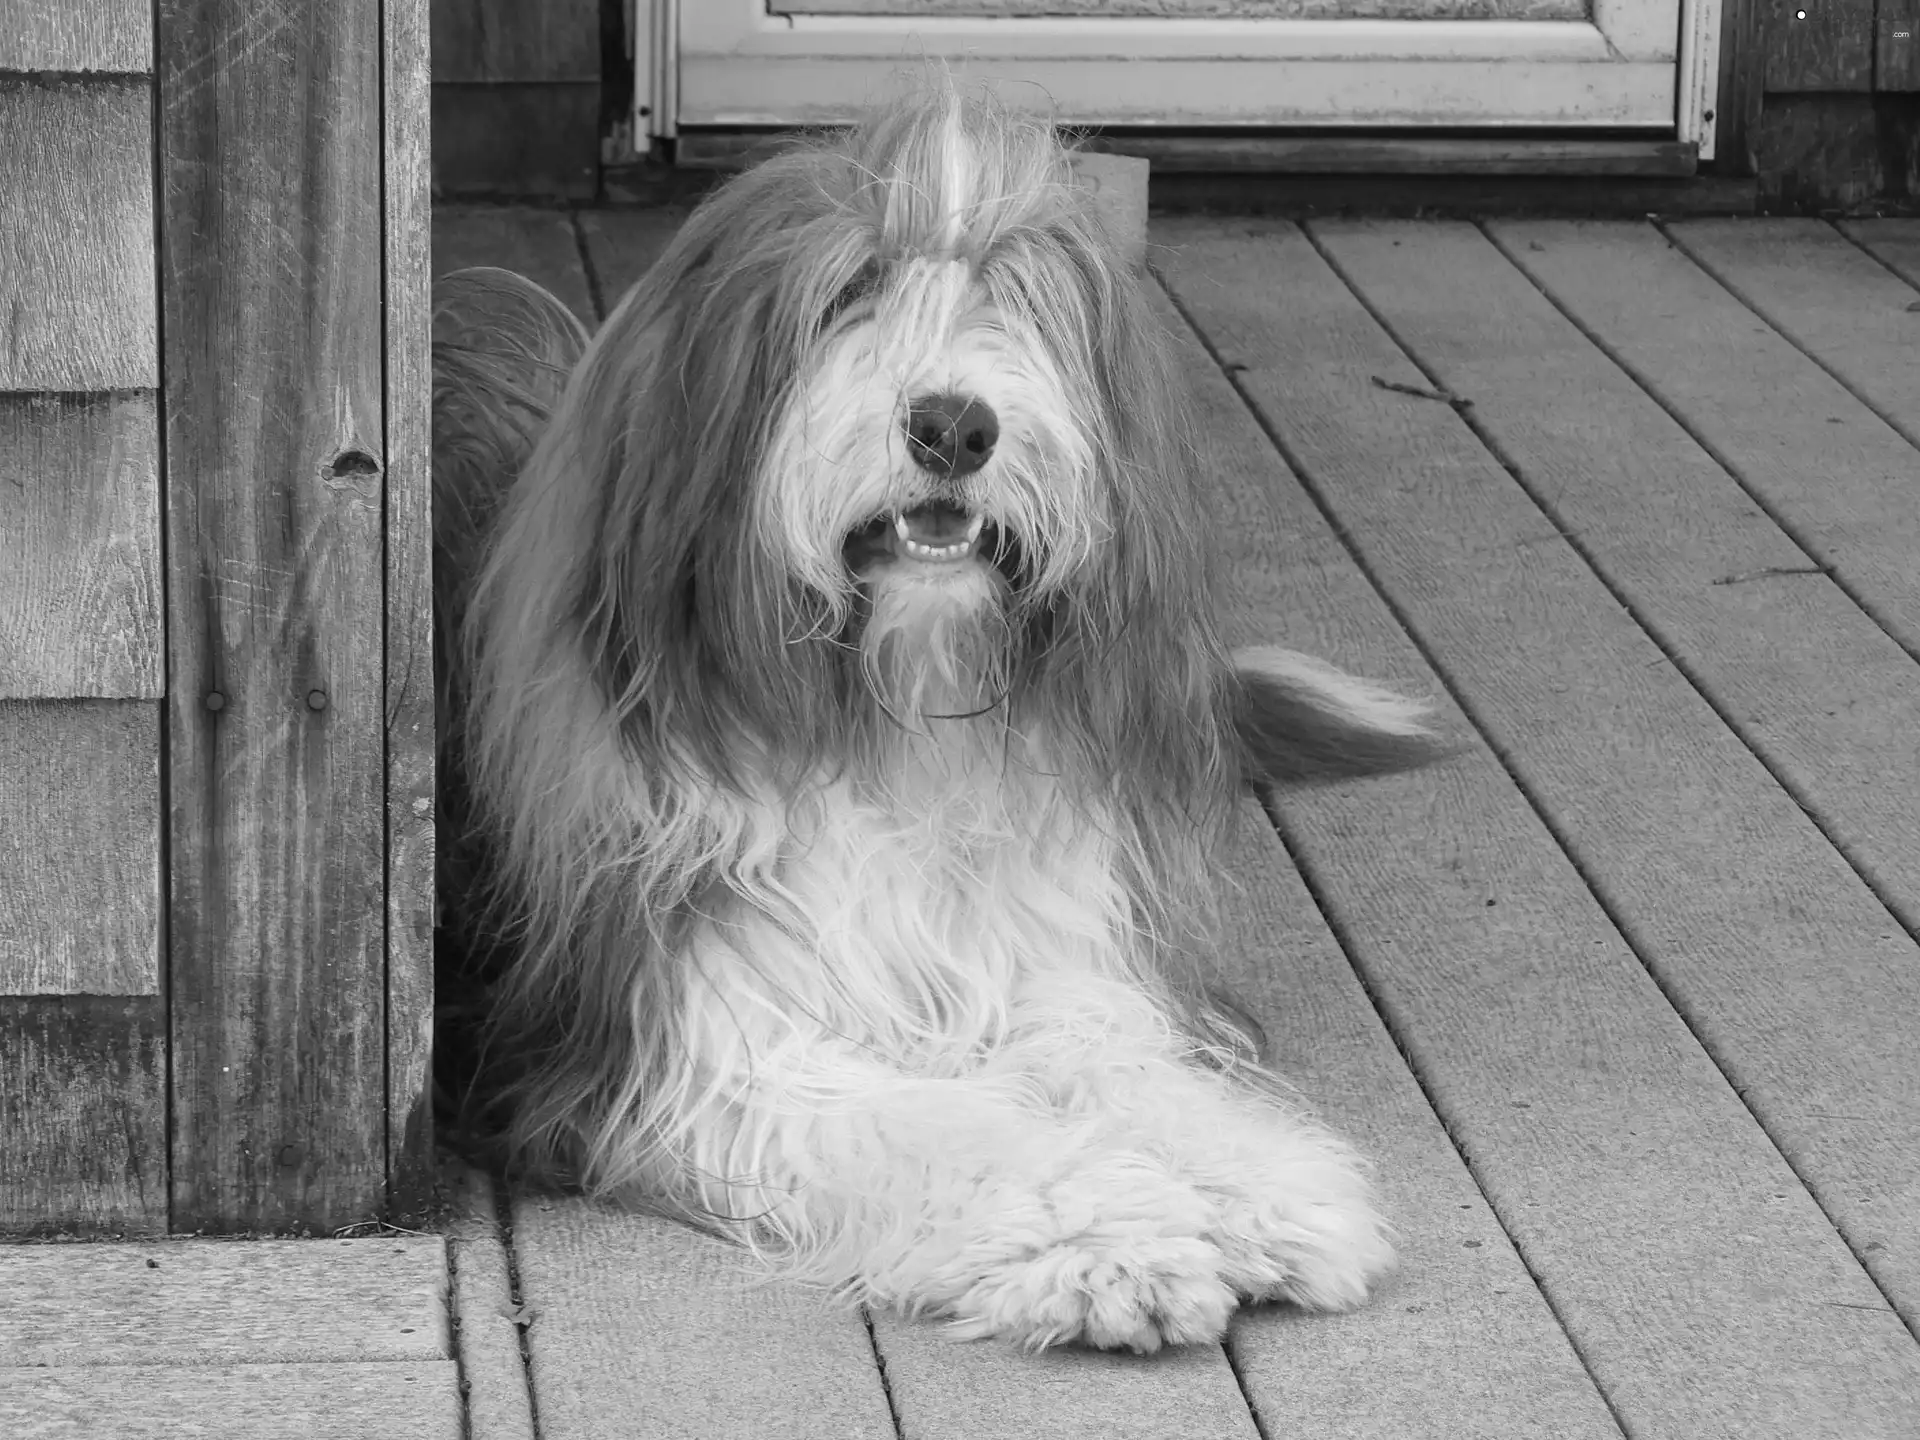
1303, 154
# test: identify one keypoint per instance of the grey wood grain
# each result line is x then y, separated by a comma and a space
1802, 985
276, 730
1460, 1342
83, 1116
79, 847
204, 1302
1817, 289
419, 1400
80, 527
76, 236
486, 1317
1894, 243
1838, 478
539, 244
679, 1336
947, 1389
1675, 1244
114, 36
408, 660
1814, 686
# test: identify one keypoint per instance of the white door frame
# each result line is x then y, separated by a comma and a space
1621, 67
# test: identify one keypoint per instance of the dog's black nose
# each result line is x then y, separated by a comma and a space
951, 434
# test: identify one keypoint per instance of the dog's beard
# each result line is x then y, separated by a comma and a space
937, 640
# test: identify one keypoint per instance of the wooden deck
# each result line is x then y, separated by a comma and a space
1625, 1002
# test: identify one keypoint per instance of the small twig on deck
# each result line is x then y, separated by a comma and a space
1769, 571
1445, 397
374, 1227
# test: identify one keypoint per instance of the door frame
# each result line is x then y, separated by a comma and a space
1448, 62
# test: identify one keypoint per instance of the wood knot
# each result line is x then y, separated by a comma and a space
354, 462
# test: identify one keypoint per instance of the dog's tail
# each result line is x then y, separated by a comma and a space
1300, 719
502, 351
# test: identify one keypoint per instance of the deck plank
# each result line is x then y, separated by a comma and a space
623, 244
1894, 243
1723, 373
1801, 984
678, 1336
946, 1389
539, 244
419, 1400
499, 1404
1815, 287
1705, 1290
1459, 1342
210, 1302
1814, 686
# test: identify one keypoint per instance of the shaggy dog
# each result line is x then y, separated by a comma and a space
841, 742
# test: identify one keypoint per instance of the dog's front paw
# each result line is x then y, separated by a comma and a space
1320, 1251
1134, 1293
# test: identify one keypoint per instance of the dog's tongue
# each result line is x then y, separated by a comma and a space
937, 524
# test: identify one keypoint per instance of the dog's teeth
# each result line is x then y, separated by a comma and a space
921, 550
938, 552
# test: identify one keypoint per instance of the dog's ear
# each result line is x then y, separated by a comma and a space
632, 542
1299, 719
1128, 663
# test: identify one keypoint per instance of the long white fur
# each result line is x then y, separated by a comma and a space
903, 1022
1360, 704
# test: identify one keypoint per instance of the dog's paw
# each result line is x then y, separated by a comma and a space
1320, 1251
1136, 1293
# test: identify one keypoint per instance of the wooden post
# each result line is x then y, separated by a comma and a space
409, 659
292, 367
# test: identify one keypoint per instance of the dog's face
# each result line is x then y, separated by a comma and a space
890, 432
937, 437
937, 450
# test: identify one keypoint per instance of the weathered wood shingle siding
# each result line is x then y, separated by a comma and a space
82, 1055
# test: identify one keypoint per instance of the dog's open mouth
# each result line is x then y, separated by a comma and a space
937, 533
